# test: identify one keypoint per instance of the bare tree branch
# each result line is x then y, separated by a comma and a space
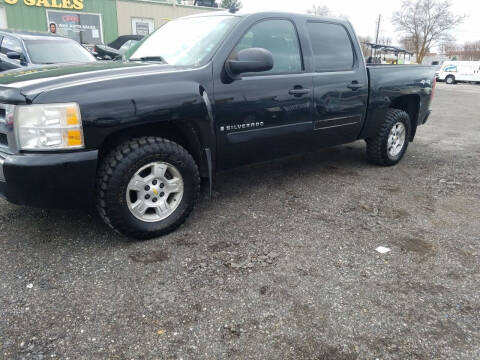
425, 23
365, 48
319, 10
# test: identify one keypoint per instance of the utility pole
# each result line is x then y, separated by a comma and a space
378, 31
378, 27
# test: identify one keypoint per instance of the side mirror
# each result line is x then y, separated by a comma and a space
14, 55
249, 60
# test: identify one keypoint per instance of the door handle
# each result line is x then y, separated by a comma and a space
299, 92
355, 85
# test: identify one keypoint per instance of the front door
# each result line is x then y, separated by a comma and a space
265, 115
340, 85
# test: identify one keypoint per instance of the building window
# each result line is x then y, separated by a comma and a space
84, 28
3, 18
142, 26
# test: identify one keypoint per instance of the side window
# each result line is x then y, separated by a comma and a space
332, 48
11, 44
280, 38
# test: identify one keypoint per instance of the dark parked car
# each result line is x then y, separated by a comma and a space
117, 48
121, 40
21, 49
207, 3
135, 137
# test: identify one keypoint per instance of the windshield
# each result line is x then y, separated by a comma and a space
189, 41
57, 51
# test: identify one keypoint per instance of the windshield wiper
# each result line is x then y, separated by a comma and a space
150, 58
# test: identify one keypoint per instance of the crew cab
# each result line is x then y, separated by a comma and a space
202, 94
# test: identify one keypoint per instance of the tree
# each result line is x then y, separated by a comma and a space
385, 41
471, 51
319, 10
449, 48
366, 50
408, 43
231, 4
426, 23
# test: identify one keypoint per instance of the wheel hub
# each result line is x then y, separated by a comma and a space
152, 191
396, 139
155, 191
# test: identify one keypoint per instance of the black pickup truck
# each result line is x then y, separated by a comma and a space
201, 94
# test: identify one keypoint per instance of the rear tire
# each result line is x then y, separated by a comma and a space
450, 80
388, 147
165, 168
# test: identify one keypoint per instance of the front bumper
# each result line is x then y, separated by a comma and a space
60, 180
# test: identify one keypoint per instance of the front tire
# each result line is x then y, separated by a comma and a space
147, 187
450, 80
388, 147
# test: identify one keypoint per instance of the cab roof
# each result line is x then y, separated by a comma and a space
245, 14
29, 35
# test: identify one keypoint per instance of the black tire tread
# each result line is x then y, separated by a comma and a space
452, 77
120, 155
375, 152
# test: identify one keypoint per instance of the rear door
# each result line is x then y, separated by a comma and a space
265, 115
477, 72
340, 84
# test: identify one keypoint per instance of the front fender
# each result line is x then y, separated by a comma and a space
138, 103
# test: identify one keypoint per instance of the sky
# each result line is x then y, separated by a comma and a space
364, 14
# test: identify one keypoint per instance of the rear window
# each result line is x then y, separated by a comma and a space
332, 48
57, 51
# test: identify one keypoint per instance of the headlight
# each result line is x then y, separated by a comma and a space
49, 127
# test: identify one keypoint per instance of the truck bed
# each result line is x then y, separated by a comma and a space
391, 81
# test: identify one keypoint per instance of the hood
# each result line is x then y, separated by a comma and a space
31, 81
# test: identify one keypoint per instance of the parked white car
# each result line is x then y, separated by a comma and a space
460, 71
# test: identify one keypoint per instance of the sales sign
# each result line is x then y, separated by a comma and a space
55, 4
84, 28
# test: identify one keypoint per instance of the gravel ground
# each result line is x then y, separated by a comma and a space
280, 264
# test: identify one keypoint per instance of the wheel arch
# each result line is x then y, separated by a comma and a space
182, 132
185, 118
411, 105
